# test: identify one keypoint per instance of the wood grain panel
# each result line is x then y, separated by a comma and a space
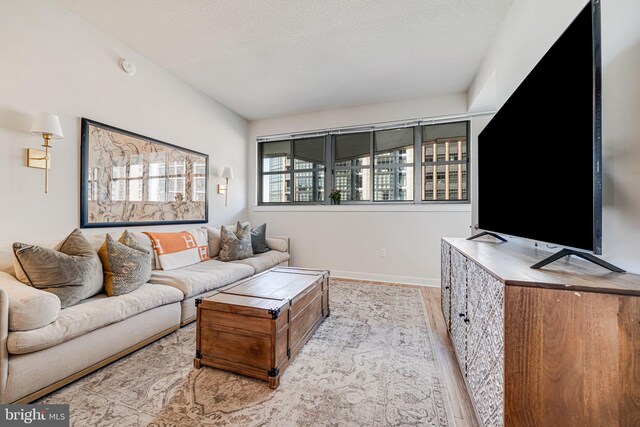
577, 366
601, 361
629, 339
248, 306
522, 363
219, 319
276, 285
562, 361
302, 324
242, 349
299, 303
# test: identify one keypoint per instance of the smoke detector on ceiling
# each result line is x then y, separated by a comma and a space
127, 67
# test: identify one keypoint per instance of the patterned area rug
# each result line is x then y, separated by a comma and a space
371, 363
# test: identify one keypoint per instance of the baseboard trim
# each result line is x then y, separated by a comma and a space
71, 378
404, 280
187, 321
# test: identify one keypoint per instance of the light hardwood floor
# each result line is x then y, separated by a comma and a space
463, 412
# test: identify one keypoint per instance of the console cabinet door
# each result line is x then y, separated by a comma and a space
445, 283
485, 367
459, 307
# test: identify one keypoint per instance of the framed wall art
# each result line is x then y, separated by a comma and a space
129, 180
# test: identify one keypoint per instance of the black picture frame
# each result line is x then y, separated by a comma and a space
94, 207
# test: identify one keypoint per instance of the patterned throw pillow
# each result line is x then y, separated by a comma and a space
72, 271
176, 250
235, 246
259, 239
214, 238
125, 263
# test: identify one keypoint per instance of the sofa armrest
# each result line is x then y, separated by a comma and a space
279, 243
27, 307
4, 333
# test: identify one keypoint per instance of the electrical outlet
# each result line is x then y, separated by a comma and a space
383, 253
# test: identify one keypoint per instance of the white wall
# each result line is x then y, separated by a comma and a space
53, 61
348, 239
529, 30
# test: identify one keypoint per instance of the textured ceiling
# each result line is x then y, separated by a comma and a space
267, 58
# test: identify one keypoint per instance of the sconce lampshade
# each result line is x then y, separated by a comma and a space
47, 123
227, 173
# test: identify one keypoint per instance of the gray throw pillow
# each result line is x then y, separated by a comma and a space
259, 239
235, 246
126, 264
73, 272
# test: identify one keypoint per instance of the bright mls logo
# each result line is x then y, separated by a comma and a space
34, 415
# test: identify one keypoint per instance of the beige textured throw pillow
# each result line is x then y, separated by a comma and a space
214, 235
235, 246
73, 272
126, 264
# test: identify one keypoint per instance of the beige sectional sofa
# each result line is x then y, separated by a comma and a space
43, 347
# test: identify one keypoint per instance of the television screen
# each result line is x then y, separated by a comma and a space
536, 157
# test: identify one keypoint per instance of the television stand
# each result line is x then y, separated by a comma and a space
546, 347
584, 255
487, 233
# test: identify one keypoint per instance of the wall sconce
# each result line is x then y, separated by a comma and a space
227, 174
48, 126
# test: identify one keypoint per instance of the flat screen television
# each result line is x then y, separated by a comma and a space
539, 158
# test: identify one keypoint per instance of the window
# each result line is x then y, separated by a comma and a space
444, 154
393, 173
305, 179
353, 166
368, 166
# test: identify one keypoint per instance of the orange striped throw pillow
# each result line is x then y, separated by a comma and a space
175, 250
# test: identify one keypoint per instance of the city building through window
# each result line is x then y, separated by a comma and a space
368, 166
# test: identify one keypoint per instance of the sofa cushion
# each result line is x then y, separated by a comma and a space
72, 270
264, 261
90, 315
180, 249
205, 276
126, 264
234, 246
29, 308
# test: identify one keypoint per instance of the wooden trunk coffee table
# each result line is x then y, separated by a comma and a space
256, 327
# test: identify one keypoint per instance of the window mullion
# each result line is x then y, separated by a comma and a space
329, 168
372, 184
417, 165
260, 175
292, 185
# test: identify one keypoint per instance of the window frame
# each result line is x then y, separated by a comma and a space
291, 172
330, 168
